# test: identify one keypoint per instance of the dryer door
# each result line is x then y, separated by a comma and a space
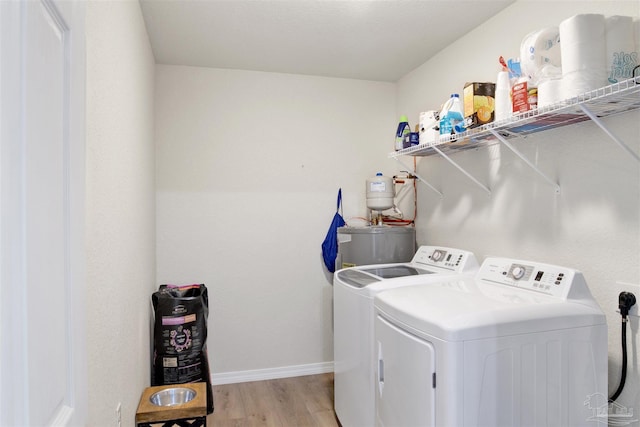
405, 377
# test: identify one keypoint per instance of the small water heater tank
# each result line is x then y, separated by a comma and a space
375, 245
380, 192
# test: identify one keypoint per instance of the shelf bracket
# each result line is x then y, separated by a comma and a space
524, 159
615, 139
457, 166
418, 176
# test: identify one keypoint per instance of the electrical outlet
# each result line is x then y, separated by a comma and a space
119, 415
635, 290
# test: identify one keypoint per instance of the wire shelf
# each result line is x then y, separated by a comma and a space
604, 102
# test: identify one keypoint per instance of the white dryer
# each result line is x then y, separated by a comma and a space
521, 344
353, 311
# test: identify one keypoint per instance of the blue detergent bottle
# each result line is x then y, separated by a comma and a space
451, 117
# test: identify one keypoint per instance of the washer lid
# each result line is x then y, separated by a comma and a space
465, 309
364, 276
393, 271
355, 278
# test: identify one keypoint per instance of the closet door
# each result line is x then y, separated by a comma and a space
42, 359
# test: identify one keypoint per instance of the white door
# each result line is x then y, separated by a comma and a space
405, 389
42, 353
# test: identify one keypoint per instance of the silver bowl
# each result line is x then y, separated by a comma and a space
173, 396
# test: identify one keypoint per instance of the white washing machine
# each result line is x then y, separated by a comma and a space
353, 311
521, 344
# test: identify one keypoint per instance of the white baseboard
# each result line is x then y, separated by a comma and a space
271, 373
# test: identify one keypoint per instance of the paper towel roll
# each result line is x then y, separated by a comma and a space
579, 83
583, 54
550, 92
583, 27
582, 42
621, 53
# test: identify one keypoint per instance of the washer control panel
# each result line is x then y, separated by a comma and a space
543, 278
447, 258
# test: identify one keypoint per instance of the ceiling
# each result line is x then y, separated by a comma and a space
378, 40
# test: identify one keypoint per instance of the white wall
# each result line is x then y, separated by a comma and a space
248, 168
120, 208
592, 225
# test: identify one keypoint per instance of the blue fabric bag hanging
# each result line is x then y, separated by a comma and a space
330, 243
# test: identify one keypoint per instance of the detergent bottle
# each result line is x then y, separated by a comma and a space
451, 118
402, 133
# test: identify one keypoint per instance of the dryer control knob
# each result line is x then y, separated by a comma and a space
517, 272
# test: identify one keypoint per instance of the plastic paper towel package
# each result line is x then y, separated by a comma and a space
583, 54
621, 50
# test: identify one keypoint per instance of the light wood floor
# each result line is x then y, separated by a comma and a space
287, 402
